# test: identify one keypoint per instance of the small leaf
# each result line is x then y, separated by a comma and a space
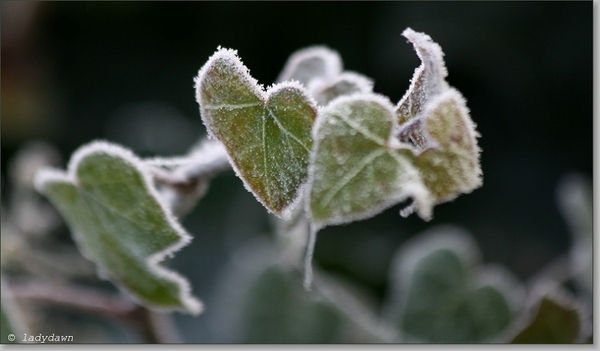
319, 69
266, 134
441, 294
119, 223
434, 117
428, 80
556, 321
449, 162
312, 63
346, 83
354, 173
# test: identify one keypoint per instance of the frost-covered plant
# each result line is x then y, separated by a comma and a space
317, 148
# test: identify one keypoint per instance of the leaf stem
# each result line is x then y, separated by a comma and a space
154, 328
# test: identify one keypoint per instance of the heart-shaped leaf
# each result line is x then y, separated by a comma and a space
354, 172
119, 223
440, 294
266, 134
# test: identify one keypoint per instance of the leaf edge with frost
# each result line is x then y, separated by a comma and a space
264, 97
46, 176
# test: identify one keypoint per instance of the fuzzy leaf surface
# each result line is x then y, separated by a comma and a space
354, 172
449, 163
434, 117
118, 222
441, 295
266, 134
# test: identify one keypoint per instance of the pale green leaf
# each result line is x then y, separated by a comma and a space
319, 69
311, 64
441, 293
434, 117
118, 222
449, 161
354, 172
266, 134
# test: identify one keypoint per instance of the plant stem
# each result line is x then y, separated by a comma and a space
154, 328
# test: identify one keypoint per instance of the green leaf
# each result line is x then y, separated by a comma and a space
354, 172
277, 310
449, 162
556, 321
441, 294
119, 223
258, 299
434, 117
266, 134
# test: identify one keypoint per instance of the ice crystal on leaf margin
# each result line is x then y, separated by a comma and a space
121, 224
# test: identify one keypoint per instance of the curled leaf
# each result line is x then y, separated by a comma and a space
434, 117
266, 134
119, 223
428, 80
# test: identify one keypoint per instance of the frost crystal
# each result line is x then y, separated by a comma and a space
117, 219
319, 69
266, 134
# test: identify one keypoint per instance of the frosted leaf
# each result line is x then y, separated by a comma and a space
266, 134
346, 83
319, 69
315, 62
434, 117
440, 292
427, 81
354, 173
118, 221
449, 161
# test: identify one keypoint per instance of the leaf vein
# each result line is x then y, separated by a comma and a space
285, 131
333, 191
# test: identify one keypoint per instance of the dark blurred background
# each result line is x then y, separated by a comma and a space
123, 71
